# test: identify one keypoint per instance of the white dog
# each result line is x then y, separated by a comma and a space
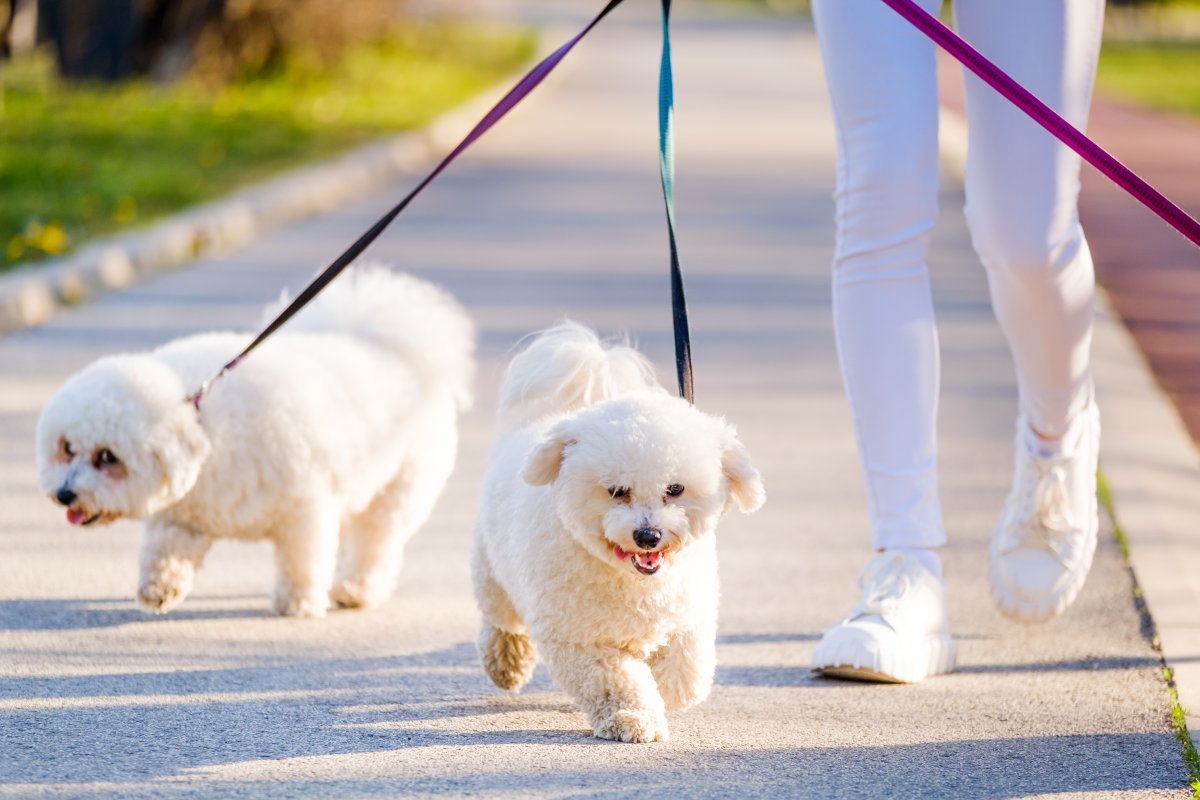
595, 542
338, 433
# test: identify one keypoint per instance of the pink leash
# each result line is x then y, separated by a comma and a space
1045, 116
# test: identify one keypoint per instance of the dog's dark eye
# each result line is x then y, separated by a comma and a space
66, 449
674, 490
619, 492
105, 458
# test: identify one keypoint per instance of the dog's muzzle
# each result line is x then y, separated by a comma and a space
646, 563
67, 497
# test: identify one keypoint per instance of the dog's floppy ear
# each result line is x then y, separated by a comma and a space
180, 447
745, 484
544, 462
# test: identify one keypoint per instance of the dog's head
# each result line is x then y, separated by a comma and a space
118, 440
639, 478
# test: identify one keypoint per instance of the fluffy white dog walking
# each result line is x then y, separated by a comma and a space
595, 542
337, 434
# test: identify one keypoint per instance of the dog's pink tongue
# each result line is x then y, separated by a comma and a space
648, 560
75, 517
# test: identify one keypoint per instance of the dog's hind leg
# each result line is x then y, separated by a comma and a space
170, 557
684, 667
373, 540
615, 688
306, 555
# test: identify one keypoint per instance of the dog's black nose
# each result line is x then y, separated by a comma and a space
647, 538
65, 496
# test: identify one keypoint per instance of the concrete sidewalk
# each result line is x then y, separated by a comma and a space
559, 212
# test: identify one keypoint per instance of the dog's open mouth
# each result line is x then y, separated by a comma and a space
77, 517
645, 563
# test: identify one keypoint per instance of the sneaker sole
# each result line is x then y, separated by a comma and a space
852, 656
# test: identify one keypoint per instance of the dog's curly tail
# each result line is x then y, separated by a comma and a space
568, 367
422, 322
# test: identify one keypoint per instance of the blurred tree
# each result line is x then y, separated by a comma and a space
112, 39
167, 33
254, 36
10, 14
92, 38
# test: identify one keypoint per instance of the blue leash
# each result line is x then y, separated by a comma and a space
666, 160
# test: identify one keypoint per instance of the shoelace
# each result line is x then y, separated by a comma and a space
1051, 518
1053, 505
884, 581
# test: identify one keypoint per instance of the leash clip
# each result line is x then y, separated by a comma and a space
195, 397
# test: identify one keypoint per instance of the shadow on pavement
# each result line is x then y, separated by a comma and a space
1076, 665
39, 615
772, 676
764, 638
179, 733
987, 768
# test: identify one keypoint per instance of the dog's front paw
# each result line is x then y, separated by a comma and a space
682, 696
508, 658
166, 586
683, 669
633, 725
681, 684
300, 605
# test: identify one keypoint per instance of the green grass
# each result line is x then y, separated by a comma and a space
784, 7
1179, 723
1157, 74
1191, 758
76, 162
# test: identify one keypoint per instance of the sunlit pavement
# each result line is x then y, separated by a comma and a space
559, 213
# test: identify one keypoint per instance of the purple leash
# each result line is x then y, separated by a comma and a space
1045, 116
518, 93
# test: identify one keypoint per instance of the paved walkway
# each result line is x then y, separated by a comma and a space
559, 212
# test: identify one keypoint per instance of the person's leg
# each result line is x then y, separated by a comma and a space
881, 79
1022, 191
882, 86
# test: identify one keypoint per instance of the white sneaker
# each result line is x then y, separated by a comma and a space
1043, 545
897, 633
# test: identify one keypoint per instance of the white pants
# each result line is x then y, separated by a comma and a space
1021, 188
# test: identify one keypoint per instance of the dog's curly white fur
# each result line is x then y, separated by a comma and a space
337, 434
594, 546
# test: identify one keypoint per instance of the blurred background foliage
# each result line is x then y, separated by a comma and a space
1151, 52
218, 39
113, 112
200, 96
